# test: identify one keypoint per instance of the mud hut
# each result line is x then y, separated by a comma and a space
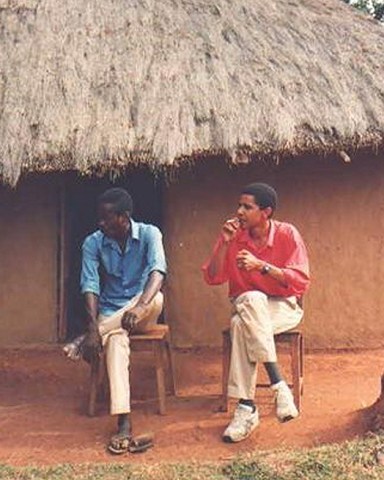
183, 102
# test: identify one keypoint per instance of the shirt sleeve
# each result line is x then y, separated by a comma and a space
221, 276
155, 252
296, 268
90, 278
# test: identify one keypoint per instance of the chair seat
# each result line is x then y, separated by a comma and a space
158, 332
286, 334
156, 340
294, 338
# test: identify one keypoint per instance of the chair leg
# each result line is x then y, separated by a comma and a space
103, 393
160, 378
94, 385
301, 365
295, 353
226, 356
170, 361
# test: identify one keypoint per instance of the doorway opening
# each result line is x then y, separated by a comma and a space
79, 219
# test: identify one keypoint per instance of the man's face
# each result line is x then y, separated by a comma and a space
113, 225
250, 215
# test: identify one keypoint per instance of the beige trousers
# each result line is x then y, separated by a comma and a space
255, 319
116, 346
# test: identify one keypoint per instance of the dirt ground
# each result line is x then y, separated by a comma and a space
43, 404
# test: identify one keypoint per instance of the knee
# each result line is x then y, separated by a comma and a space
118, 341
159, 301
235, 322
251, 298
157, 306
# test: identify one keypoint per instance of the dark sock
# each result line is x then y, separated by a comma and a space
123, 423
249, 403
273, 372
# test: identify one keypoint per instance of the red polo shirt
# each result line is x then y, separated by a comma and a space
284, 249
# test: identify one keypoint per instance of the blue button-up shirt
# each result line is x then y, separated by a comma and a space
114, 276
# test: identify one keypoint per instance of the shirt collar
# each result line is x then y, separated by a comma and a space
271, 234
135, 230
135, 235
244, 236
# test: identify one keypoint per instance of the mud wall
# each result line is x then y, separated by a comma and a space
28, 266
338, 208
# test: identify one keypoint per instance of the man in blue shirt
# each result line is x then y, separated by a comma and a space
123, 269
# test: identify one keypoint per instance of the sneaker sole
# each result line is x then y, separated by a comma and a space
228, 439
287, 419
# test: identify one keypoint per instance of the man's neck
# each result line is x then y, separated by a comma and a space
259, 233
123, 238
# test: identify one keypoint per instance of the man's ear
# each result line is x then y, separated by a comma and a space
267, 212
124, 217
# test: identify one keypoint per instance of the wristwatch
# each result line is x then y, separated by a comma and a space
265, 270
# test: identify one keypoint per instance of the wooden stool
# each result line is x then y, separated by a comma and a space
294, 339
155, 340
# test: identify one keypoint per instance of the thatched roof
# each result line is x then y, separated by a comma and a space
85, 83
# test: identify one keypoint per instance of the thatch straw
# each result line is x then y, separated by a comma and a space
85, 83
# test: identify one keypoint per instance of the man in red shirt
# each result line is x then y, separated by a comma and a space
265, 264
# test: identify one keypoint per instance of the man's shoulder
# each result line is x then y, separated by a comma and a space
94, 239
147, 230
286, 229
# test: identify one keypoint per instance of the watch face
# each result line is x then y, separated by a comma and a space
265, 269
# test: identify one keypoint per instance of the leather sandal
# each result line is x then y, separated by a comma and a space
119, 443
141, 443
122, 443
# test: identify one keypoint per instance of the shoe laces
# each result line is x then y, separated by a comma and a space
283, 397
240, 416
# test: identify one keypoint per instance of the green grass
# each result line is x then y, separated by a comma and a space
355, 460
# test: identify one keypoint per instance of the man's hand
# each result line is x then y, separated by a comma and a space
92, 345
229, 229
246, 261
132, 317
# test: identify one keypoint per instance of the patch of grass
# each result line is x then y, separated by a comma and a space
191, 471
68, 472
313, 467
355, 460
250, 469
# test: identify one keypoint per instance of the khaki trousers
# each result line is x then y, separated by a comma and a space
255, 319
116, 346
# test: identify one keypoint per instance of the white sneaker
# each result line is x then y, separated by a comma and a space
285, 406
244, 421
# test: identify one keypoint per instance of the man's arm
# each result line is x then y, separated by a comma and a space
156, 262
90, 287
247, 261
293, 276
92, 342
214, 269
152, 287
91, 302
296, 269
135, 314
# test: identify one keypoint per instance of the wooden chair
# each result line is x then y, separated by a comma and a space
155, 340
294, 339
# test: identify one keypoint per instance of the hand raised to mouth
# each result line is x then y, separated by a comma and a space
229, 229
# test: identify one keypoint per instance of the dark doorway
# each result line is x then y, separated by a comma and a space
80, 212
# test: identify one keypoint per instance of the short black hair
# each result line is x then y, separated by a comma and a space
265, 196
119, 198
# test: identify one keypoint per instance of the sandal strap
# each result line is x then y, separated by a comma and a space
119, 443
